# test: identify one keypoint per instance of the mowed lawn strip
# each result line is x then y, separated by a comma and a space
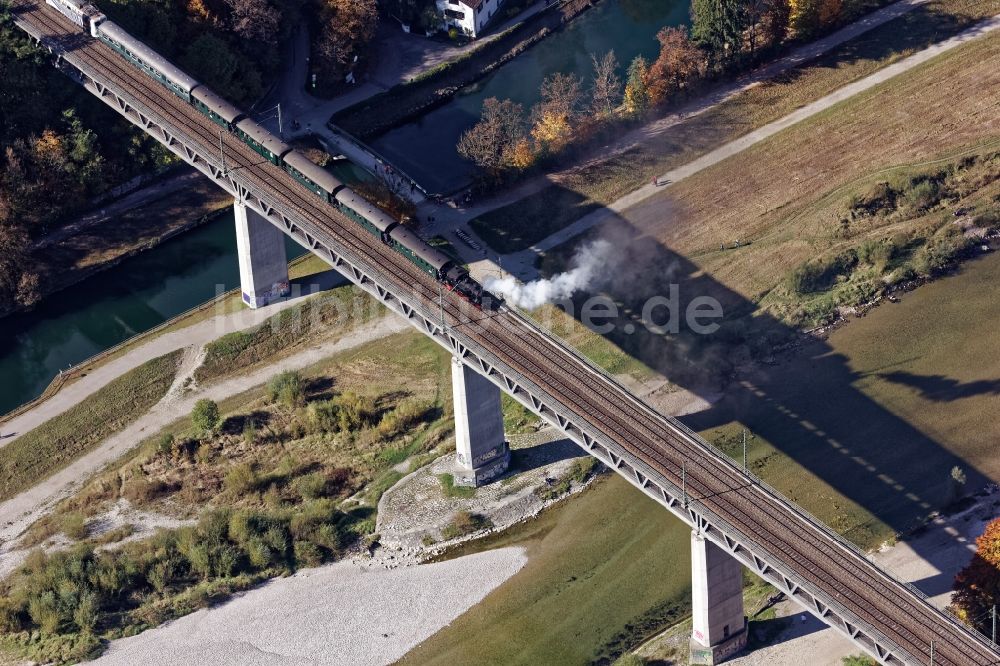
605, 570
63, 439
580, 191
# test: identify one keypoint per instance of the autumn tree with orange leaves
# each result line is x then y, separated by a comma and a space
679, 64
977, 586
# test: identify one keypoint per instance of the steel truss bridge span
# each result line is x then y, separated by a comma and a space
778, 541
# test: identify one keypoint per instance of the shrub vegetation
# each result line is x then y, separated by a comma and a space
465, 523
205, 416
288, 497
287, 388
579, 471
879, 261
58, 607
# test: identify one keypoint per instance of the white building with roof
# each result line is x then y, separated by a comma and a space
468, 16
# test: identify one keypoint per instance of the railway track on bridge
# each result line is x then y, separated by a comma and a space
898, 619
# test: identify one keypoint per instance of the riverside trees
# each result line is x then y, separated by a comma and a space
726, 36
58, 148
347, 27
491, 144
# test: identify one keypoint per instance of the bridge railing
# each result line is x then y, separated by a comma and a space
696, 505
419, 306
772, 493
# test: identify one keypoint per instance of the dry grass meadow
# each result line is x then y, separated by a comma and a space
786, 196
602, 180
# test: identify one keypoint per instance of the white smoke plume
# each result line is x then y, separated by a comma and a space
589, 267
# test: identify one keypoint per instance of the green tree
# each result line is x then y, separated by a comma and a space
804, 18
431, 19
636, 90
719, 25
287, 388
205, 416
222, 68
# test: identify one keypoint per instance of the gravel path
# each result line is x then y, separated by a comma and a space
18, 513
340, 614
522, 263
191, 336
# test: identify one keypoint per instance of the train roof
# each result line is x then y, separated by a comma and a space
257, 132
78, 4
313, 172
381, 219
419, 247
151, 57
217, 103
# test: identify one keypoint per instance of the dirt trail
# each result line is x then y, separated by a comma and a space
18, 513
194, 336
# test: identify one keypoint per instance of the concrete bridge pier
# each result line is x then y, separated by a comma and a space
482, 451
719, 626
263, 261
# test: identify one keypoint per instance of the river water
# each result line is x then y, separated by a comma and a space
146, 290
129, 298
425, 149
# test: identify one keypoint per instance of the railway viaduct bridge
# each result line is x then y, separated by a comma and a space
736, 519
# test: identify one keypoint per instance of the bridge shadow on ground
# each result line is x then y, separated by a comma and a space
540, 455
942, 389
793, 391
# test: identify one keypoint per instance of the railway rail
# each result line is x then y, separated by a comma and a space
775, 539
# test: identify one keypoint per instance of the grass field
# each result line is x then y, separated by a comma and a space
323, 316
600, 182
787, 196
946, 377
604, 570
873, 421
61, 440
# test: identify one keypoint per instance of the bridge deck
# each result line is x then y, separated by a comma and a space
805, 551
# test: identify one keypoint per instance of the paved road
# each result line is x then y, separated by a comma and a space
522, 264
